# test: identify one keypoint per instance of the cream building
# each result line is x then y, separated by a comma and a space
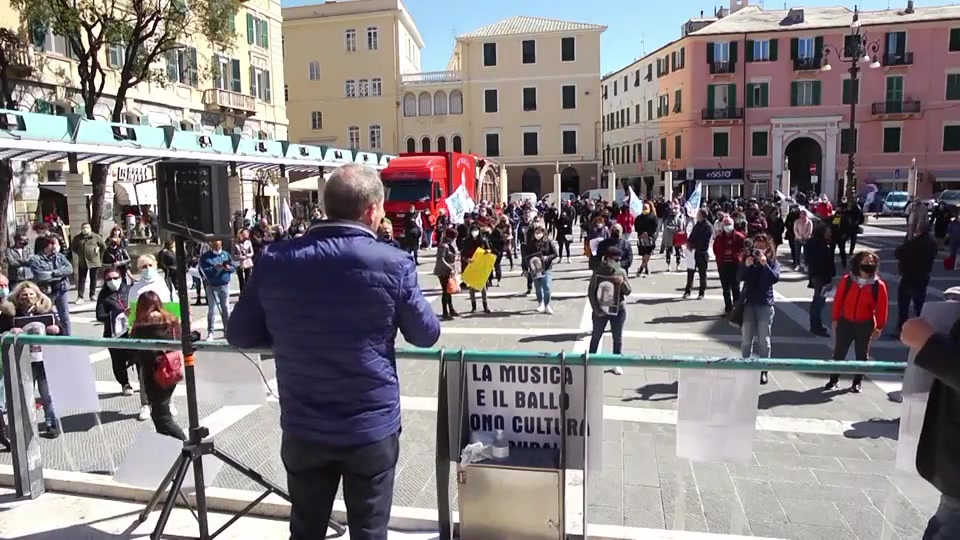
524, 91
343, 88
242, 96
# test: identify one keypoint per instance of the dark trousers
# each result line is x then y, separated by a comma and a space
817, 303
564, 246
700, 258
911, 289
62, 304
82, 275
314, 471
616, 330
243, 275
729, 283
794, 252
853, 243
840, 245
159, 400
118, 361
497, 269
675, 250
856, 333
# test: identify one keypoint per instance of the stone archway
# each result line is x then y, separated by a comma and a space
803, 154
570, 181
530, 181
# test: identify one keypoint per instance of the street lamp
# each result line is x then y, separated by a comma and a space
856, 50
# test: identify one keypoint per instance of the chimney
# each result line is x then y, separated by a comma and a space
909, 7
701, 13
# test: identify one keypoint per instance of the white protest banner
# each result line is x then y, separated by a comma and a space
693, 201
525, 400
229, 378
917, 383
71, 379
459, 203
636, 206
716, 415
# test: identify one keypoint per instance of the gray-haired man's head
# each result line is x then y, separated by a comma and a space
355, 193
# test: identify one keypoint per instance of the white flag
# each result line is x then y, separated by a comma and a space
693, 201
636, 206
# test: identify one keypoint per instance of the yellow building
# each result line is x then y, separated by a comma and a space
524, 91
242, 96
343, 74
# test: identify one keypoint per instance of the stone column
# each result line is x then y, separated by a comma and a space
776, 169
283, 186
26, 193
829, 181
107, 220
235, 194
321, 184
76, 201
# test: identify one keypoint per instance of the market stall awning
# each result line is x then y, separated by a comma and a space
310, 183
135, 194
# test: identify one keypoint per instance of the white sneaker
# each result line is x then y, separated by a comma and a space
541, 308
78, 302
210, 337
173, 408
548, 309
144, 413
617, 370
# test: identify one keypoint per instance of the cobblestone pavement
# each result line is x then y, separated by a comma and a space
823, 461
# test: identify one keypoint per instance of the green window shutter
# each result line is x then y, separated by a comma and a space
901, 42
251, 32
253, 81
764, 94
816, 92
709, 52
773, 50
731, 96
193, 68
235, 74
144, 120
265, 27
845, 98
232, 24
953, 87
711, 96
794, 48
172, 74
38, 33
677, 147
733, 52
42, 106
818, 47
749, 96
266, 86
676, 101
80, 110
794, 93
886, 43
748, 50
954, 39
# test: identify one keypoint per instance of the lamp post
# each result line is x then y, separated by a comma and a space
856, 50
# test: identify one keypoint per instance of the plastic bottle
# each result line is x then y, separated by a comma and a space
501, 448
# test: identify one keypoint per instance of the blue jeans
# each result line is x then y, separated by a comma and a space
217, 296
616, 330
817, 303
62, 305
800, 257
945, 524
40, 378
757, 326
542, 286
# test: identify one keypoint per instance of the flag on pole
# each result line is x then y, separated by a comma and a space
636, 207
693, 201
286, 216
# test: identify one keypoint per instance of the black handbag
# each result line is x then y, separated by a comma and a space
735, 317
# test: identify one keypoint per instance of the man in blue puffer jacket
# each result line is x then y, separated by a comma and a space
329, 304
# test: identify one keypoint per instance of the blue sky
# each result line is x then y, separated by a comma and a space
632, 25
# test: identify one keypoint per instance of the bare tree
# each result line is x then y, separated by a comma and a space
134, 36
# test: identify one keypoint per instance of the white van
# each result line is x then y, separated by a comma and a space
594, 194
522, 196
565, 196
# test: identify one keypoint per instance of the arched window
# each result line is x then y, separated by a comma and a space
457, 143
440, 103
411, 144
441, 144
425, 144
409, 104
426, 104
456, 102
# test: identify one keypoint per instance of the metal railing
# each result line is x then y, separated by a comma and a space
898, 59
811, 63
722, 68
904, 106
431, 77
216, 97
723, 113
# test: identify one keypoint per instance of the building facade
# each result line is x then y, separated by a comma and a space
761, 99
343, 88
524, 91
238, 97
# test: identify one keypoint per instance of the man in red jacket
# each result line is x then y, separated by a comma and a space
728, 250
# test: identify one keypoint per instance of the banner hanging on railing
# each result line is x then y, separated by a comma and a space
525, 400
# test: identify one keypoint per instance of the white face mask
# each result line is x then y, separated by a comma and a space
114, 284
728, 228
474, 233
148, 273
538, 236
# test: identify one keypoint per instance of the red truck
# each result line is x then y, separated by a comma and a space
425, 180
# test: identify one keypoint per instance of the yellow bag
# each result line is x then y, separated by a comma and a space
478, 271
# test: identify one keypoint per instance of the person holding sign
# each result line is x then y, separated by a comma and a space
758, 272
330, 305
477, 242
540, 252
445, 268
25, 304
111, 310
51, 271
607, 293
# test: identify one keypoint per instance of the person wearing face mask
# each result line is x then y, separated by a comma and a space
88, 248
150, 280
699, 243
478, 240
802, 231
610, 269
51, 272
216, 267
111, 311
18, 261
619, 241
545, 249
674, 235
6, 321
759, 272
646, 227
915, 259
860, 311
728, 252
117, 257
445, 269
340, 413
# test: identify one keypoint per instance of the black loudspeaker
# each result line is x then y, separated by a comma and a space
193, 200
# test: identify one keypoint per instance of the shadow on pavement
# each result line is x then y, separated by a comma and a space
875, 428
813, 396
666, 391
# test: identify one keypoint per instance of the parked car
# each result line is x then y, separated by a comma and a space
895, 203
950, 197
565, 196
523, 196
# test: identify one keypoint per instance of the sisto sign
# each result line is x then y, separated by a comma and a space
717, 174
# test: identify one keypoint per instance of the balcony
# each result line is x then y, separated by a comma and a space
19, 57
905, 106
431, 77
898, 59
722, 68
726, 113
812, 63
225, 101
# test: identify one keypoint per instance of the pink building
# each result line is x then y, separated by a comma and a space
767, 88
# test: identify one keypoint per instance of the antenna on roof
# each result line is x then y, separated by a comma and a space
643, 44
